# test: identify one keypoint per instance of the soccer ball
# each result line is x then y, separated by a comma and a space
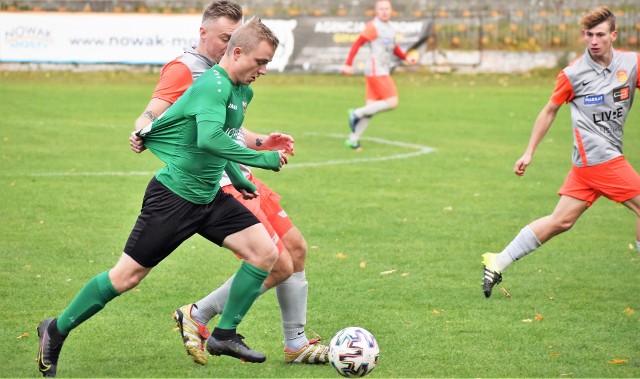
353, 351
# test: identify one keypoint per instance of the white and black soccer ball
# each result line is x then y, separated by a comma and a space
353, 352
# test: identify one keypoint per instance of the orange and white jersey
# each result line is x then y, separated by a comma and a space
600, 99
382, 42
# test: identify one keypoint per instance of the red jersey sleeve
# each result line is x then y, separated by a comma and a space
354, 50
370, 33
563, 93
399, 53
175, 78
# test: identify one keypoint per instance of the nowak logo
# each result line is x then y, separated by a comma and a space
28, 36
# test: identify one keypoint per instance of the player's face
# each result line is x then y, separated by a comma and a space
252, 64
214, 36
599, 40
383, 10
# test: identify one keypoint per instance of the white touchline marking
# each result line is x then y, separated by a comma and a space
420, 150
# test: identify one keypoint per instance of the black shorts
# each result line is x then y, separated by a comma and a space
166, 220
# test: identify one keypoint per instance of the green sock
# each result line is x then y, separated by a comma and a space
89, 301
244, 290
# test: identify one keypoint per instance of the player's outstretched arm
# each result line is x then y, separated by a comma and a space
540, 128
273, 141
212, 139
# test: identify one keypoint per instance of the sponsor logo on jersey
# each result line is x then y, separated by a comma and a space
610, 115
621, 94
593, 99
622, 76
233, 106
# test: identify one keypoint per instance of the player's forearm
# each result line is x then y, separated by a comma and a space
254, 140
145, 119
541, 126
212, 139
237, 178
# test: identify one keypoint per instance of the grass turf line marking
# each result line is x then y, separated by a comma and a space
420, 150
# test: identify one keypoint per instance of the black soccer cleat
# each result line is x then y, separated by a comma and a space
492, 274
234, 347
49, 349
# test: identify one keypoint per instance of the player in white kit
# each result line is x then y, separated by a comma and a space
599, 87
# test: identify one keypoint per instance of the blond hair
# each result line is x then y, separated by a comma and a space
249, 35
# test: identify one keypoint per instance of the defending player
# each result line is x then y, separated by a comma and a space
381, 93
599, 87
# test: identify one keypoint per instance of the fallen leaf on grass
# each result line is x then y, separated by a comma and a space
363, 264
505, 292
554, 354
629, 311
404, 274
341, 256
537, 317
617, 361
387, 272
437, 312
23, 335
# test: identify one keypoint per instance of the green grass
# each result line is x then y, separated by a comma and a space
71, 191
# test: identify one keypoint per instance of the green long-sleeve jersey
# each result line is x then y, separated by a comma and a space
195, 137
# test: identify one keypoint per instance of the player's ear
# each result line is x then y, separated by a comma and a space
237, 52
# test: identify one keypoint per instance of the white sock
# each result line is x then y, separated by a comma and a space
524, 243
638, 245
213, 304
361, 126
372, 108
292, 297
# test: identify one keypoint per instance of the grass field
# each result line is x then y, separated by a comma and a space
395, 233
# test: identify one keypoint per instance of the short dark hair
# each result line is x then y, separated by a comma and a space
597, 16
222, 8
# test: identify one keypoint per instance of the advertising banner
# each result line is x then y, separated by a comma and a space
307, 44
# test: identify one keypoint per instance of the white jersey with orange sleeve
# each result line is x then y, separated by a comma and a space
382, 42
600, 99
177, 75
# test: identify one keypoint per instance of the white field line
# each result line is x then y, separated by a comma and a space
418, 150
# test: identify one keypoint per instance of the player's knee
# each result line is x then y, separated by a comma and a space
282, 269
123, 282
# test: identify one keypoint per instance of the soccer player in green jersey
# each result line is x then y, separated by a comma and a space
288, 275
194, 138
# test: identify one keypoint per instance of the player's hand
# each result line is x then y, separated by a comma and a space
279, 141
347, 70
411, 60
283, 158
521, 165
136, 143
249, 195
